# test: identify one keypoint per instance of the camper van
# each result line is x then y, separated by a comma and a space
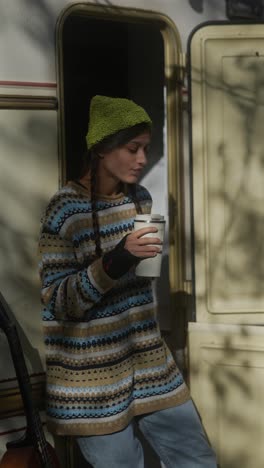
197, 67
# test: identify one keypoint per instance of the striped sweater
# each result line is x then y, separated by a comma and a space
106, 361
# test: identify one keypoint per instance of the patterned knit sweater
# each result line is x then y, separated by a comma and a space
106, 360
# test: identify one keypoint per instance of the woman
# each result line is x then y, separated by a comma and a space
107, 365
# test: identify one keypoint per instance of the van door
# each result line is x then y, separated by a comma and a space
226, 343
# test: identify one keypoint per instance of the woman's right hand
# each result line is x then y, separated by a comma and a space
143, 247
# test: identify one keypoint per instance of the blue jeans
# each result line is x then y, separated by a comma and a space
176, 435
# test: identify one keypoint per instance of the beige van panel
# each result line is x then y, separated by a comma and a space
227, 385
28, 177
228, 140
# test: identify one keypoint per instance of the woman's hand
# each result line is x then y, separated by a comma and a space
143, 247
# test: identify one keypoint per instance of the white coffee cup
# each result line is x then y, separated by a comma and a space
150, 266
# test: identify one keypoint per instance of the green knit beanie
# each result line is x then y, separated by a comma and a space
109, 115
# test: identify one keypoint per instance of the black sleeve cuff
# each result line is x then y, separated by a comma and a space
118, 261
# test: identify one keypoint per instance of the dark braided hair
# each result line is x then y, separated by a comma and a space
91, 161
93, 169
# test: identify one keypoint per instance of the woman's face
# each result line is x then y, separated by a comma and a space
124, 164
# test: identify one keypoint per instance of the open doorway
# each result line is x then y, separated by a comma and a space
133, 54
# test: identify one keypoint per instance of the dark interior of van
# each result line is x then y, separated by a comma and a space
113, 58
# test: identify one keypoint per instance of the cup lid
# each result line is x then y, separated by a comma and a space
149, 217
157, 217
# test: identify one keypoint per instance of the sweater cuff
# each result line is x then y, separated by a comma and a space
118, 261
